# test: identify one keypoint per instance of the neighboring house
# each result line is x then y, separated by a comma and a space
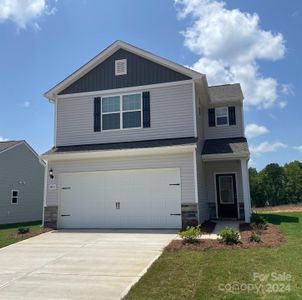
142, 142
21, 183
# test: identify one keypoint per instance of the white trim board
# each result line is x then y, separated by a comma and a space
50, 94
124, 90
223, 156
121, 152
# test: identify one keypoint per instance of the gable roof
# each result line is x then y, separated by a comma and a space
8, 144
51, 94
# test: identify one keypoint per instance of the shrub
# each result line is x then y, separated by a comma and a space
23, 230
255, 238
191, 234
259, 221
229, 236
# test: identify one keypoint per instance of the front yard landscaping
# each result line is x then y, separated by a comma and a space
254, 273
9, 233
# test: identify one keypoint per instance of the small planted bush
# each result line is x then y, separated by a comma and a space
191, 234
255, 238
259, 221
23, 230
229, 236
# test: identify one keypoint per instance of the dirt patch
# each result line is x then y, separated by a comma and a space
271, 237
17, 236
280, 208
208, 227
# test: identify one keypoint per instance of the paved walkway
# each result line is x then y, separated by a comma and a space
78, 264
219, 226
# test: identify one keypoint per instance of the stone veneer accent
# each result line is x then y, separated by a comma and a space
50, 216
189, 214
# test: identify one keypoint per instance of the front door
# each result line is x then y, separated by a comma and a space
226, 196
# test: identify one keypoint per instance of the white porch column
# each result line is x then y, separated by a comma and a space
246, 190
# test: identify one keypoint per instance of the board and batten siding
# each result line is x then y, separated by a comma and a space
184, 161
228, 131
171, 117
232, 166
21, 170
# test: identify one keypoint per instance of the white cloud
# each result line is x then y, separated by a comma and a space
24, 12
2, 139
299, 148
26, 104
230, 43
253, 130
266, 147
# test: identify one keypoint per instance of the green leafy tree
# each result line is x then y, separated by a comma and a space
256, 188
293, 181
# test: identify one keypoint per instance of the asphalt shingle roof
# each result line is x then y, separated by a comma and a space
7, 144
122, 146
226, 145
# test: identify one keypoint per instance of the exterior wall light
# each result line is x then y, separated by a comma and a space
51, 175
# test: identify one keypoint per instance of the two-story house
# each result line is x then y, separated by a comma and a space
142, 142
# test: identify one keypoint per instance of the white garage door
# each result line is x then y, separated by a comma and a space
149, 198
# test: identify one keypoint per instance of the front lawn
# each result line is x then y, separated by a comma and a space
230, 274
9, 233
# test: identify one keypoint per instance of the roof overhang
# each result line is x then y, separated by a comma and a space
189, 148
225, 156
53, 92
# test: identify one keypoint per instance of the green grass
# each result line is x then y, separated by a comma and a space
9, 233
187, 274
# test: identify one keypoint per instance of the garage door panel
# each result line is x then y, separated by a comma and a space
147, 198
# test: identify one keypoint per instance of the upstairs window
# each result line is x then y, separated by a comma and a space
122, 112
14, 196
222, 116
121, 67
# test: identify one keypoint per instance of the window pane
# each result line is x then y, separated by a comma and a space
132, 119
111, 121
221, 111
226, 189
14, 200
222, 120
110, 104
131, 102
15, 193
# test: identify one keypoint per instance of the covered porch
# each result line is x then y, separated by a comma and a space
226, 180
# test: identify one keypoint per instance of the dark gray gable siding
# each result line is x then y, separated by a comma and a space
140, 71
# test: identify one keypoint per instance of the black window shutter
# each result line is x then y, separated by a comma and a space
97, 114
232, 115
146, 110
211, 117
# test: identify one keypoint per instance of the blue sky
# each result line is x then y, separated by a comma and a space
255, 42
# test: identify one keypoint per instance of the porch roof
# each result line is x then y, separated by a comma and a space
236, 145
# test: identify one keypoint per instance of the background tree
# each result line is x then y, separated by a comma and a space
293, 181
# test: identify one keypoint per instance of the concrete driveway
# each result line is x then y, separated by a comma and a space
78, 264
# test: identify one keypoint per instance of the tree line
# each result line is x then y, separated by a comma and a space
275, 184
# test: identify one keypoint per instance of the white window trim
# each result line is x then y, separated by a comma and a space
227, 115
11, 199
121, 61
121, 111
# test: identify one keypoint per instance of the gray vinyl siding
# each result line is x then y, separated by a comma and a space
222, 167
21, 170
140, 71
183, 161
218, 132
172, 116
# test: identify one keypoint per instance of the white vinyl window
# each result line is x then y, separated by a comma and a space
122, 112
121, 67
222, 116
14, 196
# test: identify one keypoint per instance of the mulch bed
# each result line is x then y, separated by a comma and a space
29, 234
271, 237
208, 227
